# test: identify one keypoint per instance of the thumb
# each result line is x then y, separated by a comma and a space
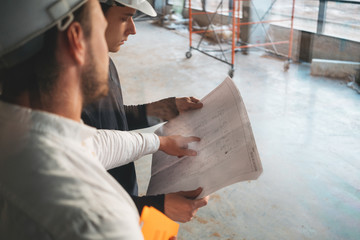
196, 105
201, 202
192, 194
195, 100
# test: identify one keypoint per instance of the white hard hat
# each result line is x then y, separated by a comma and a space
141, 5
24, 20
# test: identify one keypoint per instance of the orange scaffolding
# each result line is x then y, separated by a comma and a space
235, 26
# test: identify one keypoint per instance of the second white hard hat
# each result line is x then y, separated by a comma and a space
141, 5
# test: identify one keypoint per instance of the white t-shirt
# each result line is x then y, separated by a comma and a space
52, 183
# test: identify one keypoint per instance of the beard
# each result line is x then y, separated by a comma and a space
94, 82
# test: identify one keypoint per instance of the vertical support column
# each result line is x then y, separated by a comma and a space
321, 16
291, 31
233, 33
244, 29
190, 25
238, 21
231, 7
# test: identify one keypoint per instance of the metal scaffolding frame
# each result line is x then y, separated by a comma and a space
235, 26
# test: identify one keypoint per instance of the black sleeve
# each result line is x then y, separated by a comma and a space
154, 201
136, 117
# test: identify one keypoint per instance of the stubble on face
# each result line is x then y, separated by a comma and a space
94, 76
94, 83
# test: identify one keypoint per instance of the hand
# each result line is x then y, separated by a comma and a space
187, 103
168, 108
182, 206
177, 145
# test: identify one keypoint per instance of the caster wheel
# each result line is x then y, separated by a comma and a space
286, 65
244, 51
231, 73
188, 54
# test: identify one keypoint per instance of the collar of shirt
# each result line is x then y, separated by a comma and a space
45, 122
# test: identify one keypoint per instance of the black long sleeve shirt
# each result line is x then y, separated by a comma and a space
110, 113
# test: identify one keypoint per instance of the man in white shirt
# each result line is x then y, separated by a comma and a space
53, 184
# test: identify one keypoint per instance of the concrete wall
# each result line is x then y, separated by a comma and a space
323, 47
326, 47
334, 68
203, 21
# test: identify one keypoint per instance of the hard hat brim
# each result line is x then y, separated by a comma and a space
143, 6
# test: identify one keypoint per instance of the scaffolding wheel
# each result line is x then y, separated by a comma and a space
286, 65
188, 54
231, 73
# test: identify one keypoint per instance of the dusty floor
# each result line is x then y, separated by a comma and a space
307, 131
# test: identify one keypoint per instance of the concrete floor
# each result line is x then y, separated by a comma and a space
307, 131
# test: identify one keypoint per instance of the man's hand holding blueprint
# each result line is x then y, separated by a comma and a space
226, 154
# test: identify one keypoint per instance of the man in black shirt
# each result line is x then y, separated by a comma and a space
110, 113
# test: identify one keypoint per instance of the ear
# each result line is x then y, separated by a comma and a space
77, 43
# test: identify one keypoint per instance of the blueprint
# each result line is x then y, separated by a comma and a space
227, 152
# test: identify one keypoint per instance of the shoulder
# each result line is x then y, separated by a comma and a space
71, 221
65, 198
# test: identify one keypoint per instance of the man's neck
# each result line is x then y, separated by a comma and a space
65, 100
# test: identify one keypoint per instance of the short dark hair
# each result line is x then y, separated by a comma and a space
105, 7
40, 72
